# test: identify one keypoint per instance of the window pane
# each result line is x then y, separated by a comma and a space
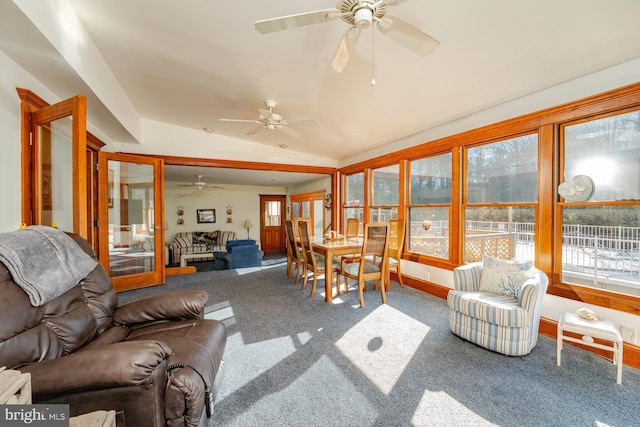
429, 231
383, 214
500, 232
503, 172
606, 150
354, 191
431, 180
601, 247
386, 186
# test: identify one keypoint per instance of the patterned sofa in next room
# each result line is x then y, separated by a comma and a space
199, 241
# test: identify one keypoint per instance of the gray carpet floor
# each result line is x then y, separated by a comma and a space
292, 360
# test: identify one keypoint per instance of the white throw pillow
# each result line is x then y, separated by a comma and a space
504, 277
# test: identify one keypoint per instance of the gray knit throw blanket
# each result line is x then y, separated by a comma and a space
45, 262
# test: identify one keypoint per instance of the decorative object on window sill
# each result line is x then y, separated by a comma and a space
327, 201
586, 314
426, 225
229, 213
180, 213
248, 225
579, 189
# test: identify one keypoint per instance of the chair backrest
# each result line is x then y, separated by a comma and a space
352, 228
291, 240
396, 238
375, 247
295, 225
307, 251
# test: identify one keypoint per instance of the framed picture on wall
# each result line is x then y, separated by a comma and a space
206, 216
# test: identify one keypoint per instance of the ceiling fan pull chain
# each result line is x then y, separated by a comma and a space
373, 77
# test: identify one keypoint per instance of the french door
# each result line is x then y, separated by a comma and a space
272, 223
54, 171
131, 206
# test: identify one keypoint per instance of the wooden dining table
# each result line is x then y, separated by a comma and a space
331, 248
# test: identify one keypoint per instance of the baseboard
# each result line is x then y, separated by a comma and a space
171, 271
548, 327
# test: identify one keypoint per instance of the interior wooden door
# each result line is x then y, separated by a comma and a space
272, 237
132, 219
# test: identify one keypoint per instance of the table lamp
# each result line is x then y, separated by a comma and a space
248, 225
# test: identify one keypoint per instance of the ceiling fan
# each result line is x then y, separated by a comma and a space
359, 14
272, 121
199, 184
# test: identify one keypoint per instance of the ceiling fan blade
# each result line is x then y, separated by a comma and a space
292, 133
407, 35
255, 130
301, 122
394, 2
347, 43
240, 120
294, 21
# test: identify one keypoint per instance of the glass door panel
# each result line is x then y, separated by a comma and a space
58, 178
134, 238
54, 180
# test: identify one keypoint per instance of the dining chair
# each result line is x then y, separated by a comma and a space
396, 240
294, 256
372, 263
312, 261
352, 228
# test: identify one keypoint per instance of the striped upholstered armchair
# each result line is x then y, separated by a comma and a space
496, 304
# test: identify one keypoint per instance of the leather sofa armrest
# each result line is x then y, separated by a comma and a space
168, 306
116, 365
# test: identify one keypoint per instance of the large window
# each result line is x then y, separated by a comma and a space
385, 192
430, 205
600, 203
560, 186
353, 204
500, 199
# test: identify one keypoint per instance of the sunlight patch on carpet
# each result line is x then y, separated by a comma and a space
439, 408
382, 345
222, 312
334, 397
246, 367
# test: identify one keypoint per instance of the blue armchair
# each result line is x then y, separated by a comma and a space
239, 253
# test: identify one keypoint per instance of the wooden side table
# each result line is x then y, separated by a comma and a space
15, 387
589, 329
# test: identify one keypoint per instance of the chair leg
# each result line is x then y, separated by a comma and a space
399, 274
313, 285
346, 285
305, 273
361, 286
299, 269
337, 282
383, 295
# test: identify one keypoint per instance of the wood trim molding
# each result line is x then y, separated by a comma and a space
239, 164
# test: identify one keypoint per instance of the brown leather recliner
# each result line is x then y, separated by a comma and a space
83, 350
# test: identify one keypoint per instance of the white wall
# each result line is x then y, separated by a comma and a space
11, 77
